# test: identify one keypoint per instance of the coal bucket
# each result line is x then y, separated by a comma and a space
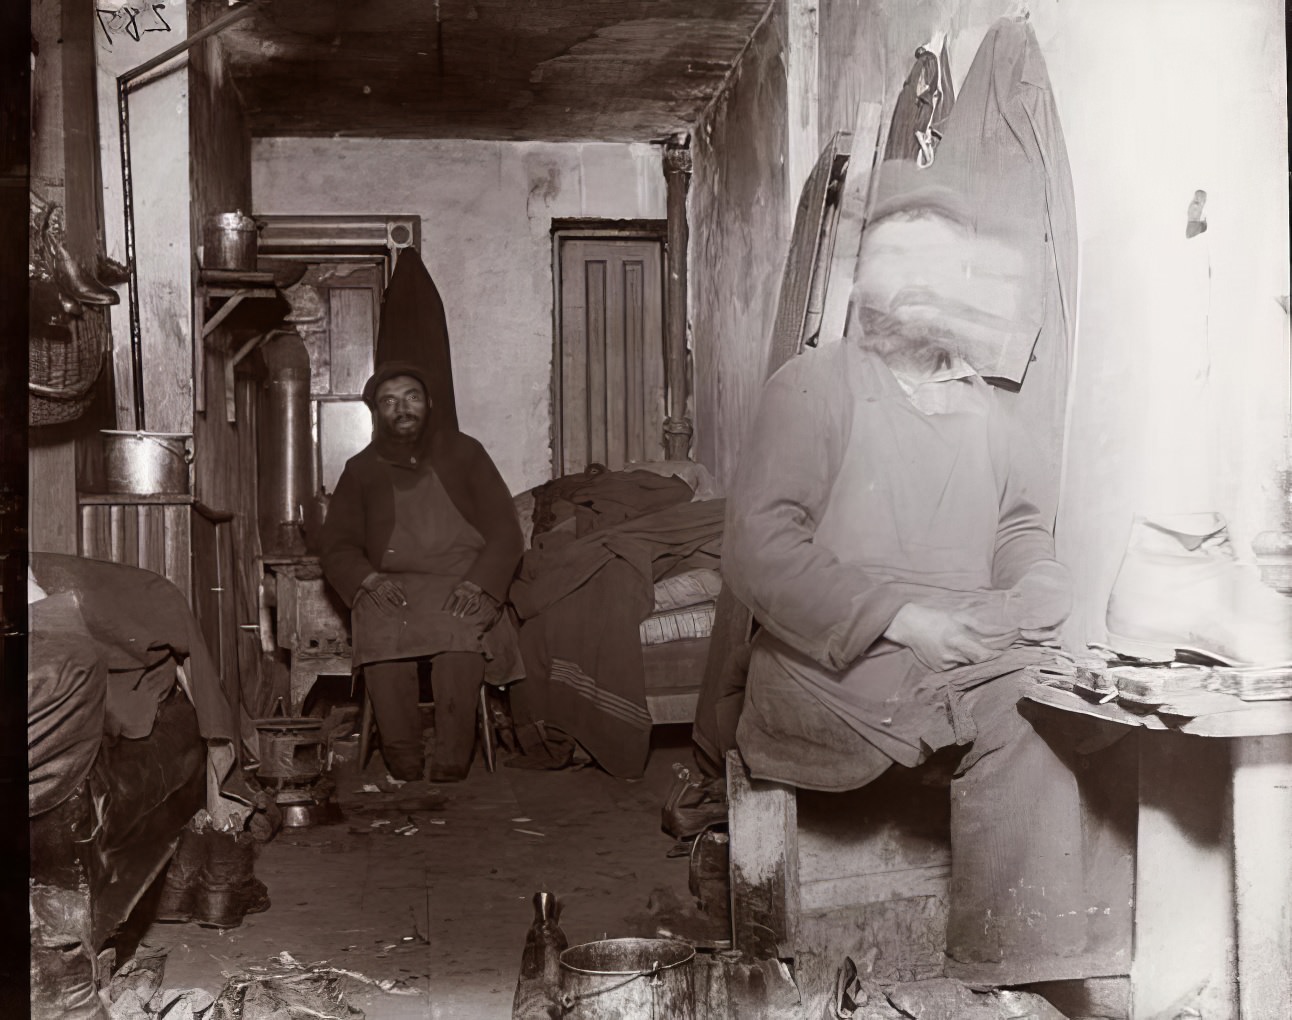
628, 979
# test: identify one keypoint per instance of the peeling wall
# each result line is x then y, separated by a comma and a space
486, 211
740, 218
163, 252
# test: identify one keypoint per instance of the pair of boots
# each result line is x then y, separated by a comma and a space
1181, 589
50, 263
211, 880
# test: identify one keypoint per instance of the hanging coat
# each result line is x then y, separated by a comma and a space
1002, 149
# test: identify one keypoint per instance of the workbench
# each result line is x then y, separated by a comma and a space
1210, 846
1213, 873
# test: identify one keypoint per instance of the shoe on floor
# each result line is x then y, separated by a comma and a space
1181, 588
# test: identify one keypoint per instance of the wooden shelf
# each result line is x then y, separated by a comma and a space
132, 499
220, 294
232, 288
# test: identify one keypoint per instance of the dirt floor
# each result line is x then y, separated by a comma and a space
444, 910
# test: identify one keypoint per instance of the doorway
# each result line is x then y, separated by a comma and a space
608, 363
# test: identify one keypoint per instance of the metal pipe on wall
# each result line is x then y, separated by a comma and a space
677, 178
128, 190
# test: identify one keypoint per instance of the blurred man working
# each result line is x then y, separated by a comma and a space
421, 541
886, 544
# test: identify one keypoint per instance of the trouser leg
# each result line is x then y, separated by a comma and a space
456, 678
1017, 907
392, 686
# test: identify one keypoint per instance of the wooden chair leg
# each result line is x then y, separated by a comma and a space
367, 723
486, 730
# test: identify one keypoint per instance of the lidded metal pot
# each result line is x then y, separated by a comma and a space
230, 242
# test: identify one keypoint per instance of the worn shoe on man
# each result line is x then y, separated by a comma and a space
1181, 588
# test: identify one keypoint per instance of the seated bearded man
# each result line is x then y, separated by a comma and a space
902, 579
421, 540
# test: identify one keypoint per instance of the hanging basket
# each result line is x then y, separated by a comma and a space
62, 372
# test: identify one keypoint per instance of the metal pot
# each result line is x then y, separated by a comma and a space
230, 242
147, 463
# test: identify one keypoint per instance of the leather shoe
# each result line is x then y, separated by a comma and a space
1181, 588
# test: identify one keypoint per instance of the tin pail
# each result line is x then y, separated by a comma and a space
628, 979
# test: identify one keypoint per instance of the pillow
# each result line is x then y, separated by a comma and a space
687, 589
678, 625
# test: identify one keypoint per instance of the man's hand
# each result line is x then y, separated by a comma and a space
943, 640
1041, 601
388, 595
468, 601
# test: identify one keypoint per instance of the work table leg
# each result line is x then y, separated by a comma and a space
1184, 897
1262, 798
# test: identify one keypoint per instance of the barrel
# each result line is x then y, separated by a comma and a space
628, 979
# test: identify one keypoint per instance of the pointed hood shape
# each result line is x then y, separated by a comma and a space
414, 329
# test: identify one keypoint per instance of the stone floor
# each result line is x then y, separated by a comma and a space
445, 909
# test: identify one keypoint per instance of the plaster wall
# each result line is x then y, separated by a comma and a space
159, 135
1180, 386
740, 215
487, 210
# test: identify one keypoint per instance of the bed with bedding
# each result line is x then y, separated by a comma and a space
129, 735
616, 595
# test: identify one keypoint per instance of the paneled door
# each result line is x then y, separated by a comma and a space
609, 364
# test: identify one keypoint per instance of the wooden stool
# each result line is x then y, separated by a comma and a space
368, 725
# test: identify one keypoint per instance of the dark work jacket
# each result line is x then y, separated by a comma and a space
361, 513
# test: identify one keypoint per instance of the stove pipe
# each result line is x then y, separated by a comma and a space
285, 473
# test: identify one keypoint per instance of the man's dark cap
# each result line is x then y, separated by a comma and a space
390, 370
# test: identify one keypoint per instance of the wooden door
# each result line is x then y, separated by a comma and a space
609, 365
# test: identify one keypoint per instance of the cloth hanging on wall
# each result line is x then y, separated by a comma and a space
414, 328
922, 108
1003, 150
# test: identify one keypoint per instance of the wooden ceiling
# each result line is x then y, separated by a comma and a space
560, 70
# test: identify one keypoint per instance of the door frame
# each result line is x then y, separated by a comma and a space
594, 230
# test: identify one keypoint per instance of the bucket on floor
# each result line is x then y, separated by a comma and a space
628, 979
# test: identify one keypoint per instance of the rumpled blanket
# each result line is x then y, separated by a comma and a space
583, 601
597, 498
105, 651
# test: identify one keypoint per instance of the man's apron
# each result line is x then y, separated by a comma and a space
431, 548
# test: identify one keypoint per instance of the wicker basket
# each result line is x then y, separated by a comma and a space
62, 373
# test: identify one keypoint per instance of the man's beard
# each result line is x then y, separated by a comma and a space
904, 346
386, 431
